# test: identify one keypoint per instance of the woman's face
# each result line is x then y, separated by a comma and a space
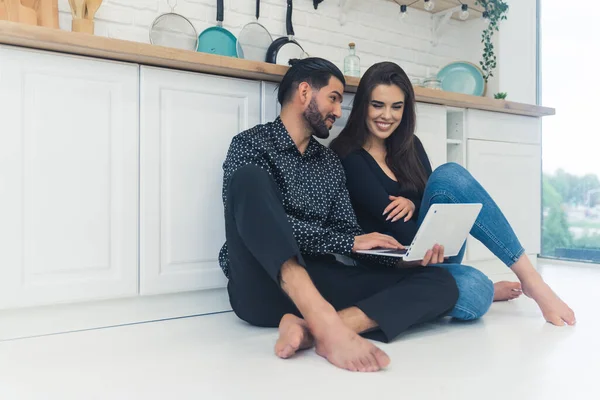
385, 111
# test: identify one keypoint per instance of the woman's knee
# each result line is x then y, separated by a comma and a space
476, 293
453, 174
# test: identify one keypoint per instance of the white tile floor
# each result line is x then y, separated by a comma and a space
509, 354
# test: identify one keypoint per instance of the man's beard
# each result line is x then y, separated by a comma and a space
316, 121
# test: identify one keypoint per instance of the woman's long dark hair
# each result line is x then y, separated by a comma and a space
402, 157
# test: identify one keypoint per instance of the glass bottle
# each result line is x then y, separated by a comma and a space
352, 62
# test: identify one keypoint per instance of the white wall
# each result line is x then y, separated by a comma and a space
517, 47
373, 24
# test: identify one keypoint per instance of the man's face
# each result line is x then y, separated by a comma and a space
324, 108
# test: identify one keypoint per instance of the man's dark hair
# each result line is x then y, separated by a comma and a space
313, 70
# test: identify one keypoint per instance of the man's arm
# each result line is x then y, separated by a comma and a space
240, 153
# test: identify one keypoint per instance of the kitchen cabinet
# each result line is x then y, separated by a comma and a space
187, 123
111, 174
511, 173
431, 130
68, 178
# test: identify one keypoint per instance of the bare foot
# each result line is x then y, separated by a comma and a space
344, 348
504, 291
293, 336
553, 308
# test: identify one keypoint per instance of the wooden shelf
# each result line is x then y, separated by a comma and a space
442, 5
41, 38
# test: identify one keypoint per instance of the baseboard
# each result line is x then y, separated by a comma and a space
48, 320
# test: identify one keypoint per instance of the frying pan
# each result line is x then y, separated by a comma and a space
254, 40
285, 48
216, 39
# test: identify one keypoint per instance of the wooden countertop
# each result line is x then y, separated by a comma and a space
12, 33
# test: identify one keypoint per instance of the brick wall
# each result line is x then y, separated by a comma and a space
374, 26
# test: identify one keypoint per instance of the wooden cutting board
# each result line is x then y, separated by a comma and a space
31, 12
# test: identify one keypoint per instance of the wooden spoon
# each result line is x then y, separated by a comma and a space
92, 8
79, 8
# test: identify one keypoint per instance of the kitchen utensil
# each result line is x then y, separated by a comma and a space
47, 12
216, 39
283, 49
254, 40
173, 30
32, 12
92, 7
462, 77
79, 8
17, 12
79, 23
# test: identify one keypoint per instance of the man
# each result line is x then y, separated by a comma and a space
287, 210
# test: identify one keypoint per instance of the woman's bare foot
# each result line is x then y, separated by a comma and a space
553, 308
504, 291
344, 348
293, 336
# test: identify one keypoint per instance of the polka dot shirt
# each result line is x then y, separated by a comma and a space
313, 186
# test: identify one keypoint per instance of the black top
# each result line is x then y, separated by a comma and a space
370, 188
313, 186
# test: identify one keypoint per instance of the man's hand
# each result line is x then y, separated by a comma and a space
373, 240
433, 256
398, 208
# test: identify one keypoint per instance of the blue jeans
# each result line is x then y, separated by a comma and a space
451, 183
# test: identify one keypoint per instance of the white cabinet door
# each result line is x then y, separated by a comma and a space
187, 123
511, 173
270, 107
68, 178
431, 130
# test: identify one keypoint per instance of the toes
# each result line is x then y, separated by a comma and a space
286, 352
382, 359
373, 366
363, 364
369, 363
515, 285
571, 318
555, 320
351, 366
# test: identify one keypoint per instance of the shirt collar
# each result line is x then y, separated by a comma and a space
283, 140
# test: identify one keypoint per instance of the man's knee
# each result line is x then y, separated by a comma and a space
476, 293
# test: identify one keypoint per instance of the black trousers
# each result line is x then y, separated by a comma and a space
260, 240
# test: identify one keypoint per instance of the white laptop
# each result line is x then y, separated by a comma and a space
445, 224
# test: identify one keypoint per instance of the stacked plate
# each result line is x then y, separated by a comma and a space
462, 77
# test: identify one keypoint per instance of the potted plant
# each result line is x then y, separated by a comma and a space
494, 11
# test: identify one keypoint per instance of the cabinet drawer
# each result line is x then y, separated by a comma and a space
488, 125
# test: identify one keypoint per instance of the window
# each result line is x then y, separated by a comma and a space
567, 50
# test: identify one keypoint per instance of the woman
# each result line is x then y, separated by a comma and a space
392, 186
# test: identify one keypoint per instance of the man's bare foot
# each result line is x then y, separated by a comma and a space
553, 308
344, 348
505, 290
293, 336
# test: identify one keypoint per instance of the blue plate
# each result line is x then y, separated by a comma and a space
218, 40
462, 77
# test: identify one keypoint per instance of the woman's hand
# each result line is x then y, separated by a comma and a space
398, 208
